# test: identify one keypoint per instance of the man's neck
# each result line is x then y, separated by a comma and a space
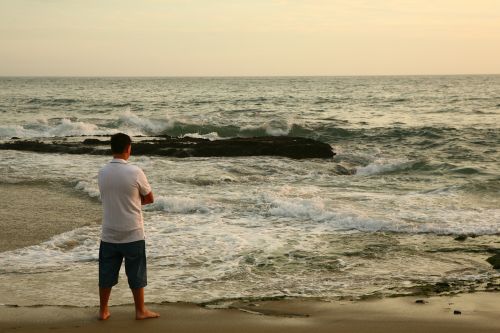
121, 156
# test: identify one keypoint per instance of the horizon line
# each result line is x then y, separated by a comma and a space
237, 76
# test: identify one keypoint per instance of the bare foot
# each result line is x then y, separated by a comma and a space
146, 314
104, 314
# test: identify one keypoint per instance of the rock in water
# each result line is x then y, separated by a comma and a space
93, 142
341, 170
461, 238
286, 146
494, 261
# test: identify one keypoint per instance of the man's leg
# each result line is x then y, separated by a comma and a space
109, 267
104, 294
135, 267
141, 312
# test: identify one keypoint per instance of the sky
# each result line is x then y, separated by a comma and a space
248, 37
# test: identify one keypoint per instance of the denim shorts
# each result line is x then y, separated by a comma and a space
110, 261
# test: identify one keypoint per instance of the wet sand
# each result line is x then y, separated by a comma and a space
480, 312
33, 213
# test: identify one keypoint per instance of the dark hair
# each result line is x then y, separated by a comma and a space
119, 142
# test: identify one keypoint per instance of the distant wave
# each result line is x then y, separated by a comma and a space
65, 127
144, 125
210, 136
41, 102
489, 186
256, 100
132, 123
135, 125
53, 101
385, 166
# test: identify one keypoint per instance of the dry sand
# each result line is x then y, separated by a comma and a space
33, 213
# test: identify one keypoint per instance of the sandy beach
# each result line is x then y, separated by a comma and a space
480, 312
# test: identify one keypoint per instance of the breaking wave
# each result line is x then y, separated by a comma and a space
42, 129
316, 210
179, 205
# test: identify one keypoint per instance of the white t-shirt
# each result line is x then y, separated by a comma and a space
120, 185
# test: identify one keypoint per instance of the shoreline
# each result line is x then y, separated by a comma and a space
479, 312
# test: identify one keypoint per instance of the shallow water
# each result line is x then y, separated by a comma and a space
425, 152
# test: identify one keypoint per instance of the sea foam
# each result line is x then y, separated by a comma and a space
65, 127
435, 220
384, 166
178, 205
143, 125
90, 189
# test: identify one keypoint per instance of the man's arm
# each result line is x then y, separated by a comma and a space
147, 199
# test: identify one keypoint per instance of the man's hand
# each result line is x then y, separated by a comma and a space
147, 199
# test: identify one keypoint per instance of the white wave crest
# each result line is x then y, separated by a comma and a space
210, 136
384, 166
15, 130
314, 209
144, 125
178, 205
88, 188
60, 252
273, 128
67, 127
41, 128
279, 128
277, 131
304, 208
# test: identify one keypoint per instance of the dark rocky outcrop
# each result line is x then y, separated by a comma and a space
461, 238
94, 142
292, 147
494, 261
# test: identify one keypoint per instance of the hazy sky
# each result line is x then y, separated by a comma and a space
249, 37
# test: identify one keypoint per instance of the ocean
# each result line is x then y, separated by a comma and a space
417, 164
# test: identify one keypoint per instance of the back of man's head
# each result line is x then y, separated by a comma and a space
120, 142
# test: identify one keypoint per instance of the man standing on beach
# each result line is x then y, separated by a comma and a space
124, 188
